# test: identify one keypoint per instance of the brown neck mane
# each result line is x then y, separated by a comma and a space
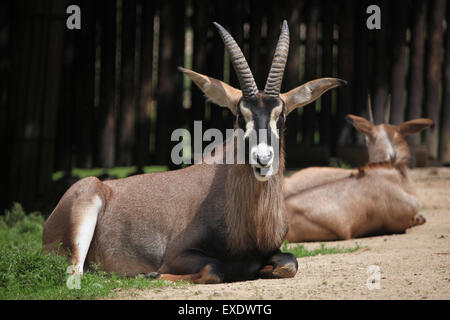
389, 164
255, 214
374, 165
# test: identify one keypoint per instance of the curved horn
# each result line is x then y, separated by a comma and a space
369, 108
244, 74
273, 83
387, 110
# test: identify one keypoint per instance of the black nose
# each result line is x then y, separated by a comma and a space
261, 162
264, 160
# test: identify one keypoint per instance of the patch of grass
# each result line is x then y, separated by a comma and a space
28, 273
119, 172
300, 251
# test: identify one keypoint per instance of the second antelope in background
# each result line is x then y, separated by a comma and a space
334, 204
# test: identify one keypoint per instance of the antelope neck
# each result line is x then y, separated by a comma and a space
255, 215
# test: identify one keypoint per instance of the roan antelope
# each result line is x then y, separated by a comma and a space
378, 198
207, 223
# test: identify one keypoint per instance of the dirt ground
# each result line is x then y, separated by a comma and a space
415, 265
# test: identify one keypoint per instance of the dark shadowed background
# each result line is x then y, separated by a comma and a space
110, 94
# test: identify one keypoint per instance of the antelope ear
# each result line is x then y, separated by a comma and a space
215, 90
309, 92
414, 126
362, 125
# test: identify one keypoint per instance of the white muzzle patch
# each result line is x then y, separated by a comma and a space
261, 159
261, 155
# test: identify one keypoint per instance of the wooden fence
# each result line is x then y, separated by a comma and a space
110, 94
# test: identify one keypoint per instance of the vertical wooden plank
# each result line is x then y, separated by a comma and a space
201, 26
20, 43
34, 168
127, 85
235, 19
327, 70
216, 69
444, 143
170, 113
309, 112
255, 60
345, 71
85, 85
50, 96
29, 135
145, 85
66, 107
36, 42
292, 71
416, 69
381, 65
4, 45
362, 78
399, 19
294, 18
5, 26
203, 52
433, 74
106, 116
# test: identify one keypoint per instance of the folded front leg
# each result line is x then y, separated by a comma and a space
207, 275
280, 265
192, 267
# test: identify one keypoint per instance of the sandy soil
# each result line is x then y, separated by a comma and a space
415, 265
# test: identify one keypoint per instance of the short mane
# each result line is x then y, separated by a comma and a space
389, 164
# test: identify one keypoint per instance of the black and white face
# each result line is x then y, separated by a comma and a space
260, 115
262, 119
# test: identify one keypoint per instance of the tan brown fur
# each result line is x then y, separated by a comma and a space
264, 222
59, 232
379, 197
205, 223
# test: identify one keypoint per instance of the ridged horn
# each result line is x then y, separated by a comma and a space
273, 83
243, 72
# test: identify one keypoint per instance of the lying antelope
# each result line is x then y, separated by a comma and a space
335, 204
207, 223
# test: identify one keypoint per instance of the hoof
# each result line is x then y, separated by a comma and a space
153, 275
419, 219
208, 276
288, 270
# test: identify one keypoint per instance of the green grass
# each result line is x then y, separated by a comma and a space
119, 172
28, 273
300, 251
